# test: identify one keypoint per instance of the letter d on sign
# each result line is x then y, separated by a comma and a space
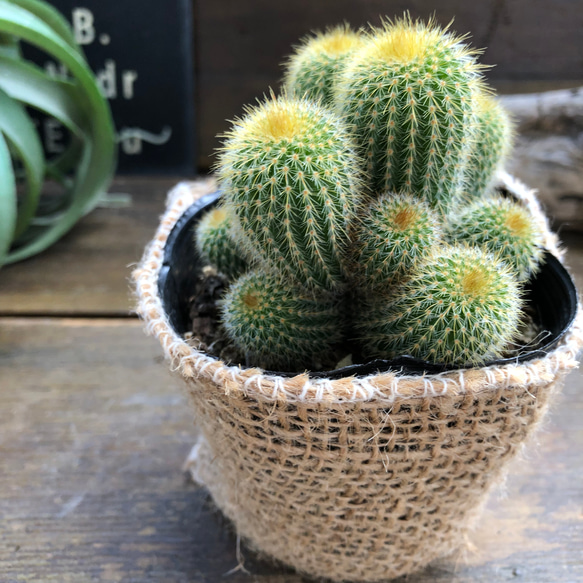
83, 26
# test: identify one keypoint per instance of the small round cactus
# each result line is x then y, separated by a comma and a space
408, 94
461, 307
505, 229
279, 326
290, 173
215, 245
491, 146
394, 233
312, 70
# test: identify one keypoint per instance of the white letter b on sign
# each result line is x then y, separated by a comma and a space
83, 26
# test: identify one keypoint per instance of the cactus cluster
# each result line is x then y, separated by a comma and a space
361, 198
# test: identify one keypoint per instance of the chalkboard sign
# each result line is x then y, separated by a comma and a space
141, 54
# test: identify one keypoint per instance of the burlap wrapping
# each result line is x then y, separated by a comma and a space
360, 478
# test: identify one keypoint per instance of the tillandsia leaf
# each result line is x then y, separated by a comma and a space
32, 86
60, 99
50, 16
9, 46
98, 159
7, 200
21, 134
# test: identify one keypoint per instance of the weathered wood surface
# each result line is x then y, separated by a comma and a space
239, 46
93, 433
87, 271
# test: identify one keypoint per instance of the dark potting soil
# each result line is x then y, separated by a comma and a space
207, 333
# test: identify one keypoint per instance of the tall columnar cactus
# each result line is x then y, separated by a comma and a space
290, 173
461, 307
277, 325
505, 229
490, 147
392, 235
312, 70
215, 245
409, 95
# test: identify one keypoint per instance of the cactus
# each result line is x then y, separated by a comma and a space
505, 229
277, 325
428, 137
491, 146
313, 69
461, 307
215, 245
408, 93
289, 172
391, 237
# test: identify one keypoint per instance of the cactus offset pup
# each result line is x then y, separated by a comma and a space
279, 326
461, 307
312, 70
503, 228
392, 235
215, 245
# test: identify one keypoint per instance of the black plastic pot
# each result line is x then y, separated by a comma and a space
551, 296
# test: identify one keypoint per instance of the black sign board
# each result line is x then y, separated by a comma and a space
141, 54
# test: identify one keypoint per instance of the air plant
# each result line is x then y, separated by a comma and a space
29, 221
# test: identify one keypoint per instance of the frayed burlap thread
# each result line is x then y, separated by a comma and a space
356, 479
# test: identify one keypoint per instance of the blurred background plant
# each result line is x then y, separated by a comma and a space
42, 197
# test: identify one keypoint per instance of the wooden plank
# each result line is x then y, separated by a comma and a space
93, 433
240, 45
87, 271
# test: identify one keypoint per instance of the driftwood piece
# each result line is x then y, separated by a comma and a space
548, 152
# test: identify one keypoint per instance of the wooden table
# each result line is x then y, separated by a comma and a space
94, 431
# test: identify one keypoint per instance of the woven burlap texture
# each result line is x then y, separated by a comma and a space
357, 479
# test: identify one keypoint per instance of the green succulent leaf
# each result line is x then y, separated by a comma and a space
21, 134
50, 16
59, 99
7, 200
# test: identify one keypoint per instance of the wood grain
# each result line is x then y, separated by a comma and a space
93, 433
87, 271
239, 46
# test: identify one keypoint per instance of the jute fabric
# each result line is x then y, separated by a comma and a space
357, 479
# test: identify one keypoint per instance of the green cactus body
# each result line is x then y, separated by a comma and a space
461, 307
215, 244
489, 150
289, 172
312, 70
278, 326
394, 233
505, 229
408, 94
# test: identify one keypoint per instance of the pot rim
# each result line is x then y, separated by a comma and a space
385, 386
